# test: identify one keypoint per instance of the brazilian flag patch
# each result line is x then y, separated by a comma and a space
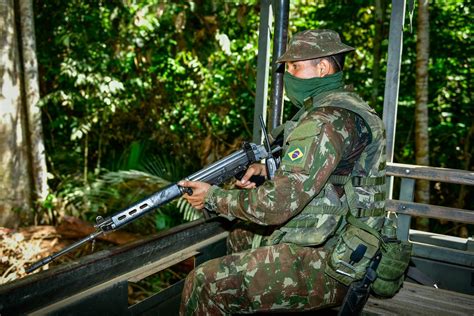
295, 154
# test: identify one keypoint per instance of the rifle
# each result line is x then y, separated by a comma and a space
214, 174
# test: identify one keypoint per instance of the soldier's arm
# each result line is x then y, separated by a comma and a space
306, 165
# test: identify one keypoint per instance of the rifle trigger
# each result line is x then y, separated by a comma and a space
186, 190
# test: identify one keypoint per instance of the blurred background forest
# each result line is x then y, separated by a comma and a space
137, 94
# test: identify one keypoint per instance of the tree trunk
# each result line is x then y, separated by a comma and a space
422, 193
22, 161
379, 14
15, 193
32, 95
461, 202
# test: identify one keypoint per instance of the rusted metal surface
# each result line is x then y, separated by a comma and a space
431, 173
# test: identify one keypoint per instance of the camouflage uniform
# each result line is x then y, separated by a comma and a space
305, 210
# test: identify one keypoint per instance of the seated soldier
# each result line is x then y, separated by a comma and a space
278, 262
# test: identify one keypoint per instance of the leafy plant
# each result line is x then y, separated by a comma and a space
114, 190
176, 80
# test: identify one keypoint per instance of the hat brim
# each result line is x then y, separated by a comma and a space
292, 56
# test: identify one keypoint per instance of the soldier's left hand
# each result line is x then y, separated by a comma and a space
256, 169
199, 192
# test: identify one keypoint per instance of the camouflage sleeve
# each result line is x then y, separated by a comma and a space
314, 148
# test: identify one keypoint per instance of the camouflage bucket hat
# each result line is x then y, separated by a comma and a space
312, 44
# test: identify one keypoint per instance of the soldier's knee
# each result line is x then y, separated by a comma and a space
193, 293
188, 286
196, 283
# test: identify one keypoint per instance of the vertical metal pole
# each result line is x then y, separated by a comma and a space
262, 68
407, 191
281, 11
392, 79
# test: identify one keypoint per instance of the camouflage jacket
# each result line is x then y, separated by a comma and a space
328, 139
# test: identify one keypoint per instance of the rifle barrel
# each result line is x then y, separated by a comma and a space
48, 259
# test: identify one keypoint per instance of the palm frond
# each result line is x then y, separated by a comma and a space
114, 190
124, 187
188, 211
118, 177
165, 166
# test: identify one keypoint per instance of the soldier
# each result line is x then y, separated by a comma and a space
333, 158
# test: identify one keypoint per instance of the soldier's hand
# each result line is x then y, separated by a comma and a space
196, 199
256, 169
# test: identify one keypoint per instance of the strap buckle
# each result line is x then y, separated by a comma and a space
356, 181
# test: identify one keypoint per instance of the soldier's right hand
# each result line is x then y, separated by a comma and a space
256, 169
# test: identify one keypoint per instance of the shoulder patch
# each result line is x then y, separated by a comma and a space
295, 153
306, 129
296, 156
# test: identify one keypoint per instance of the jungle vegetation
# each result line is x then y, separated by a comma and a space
137, 93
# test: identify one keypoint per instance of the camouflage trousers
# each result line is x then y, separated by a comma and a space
270, 278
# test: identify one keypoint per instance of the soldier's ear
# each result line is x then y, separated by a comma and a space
324, 68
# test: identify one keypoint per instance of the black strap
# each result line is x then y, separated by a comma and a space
359, 291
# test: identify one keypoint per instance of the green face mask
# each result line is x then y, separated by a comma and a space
298, 90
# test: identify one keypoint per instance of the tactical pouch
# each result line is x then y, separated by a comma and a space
391, 270
395, 254
352, 254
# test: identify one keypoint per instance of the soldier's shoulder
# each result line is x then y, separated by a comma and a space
343, 98
330, 114
349, 101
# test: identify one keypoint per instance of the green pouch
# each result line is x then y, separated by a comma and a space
391, 270
339, 264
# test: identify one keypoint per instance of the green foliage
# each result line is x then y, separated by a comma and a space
114, 72
450, 78
122, 81
115, 190
148, 78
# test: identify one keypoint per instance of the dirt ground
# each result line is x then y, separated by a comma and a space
22, 247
